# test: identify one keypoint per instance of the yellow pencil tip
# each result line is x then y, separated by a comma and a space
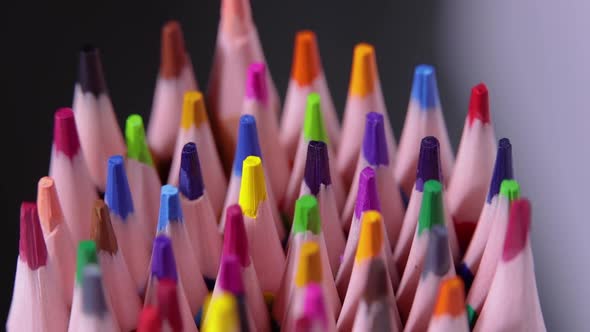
371, 238
222, 315
309, 268
364, 70
253, 187
193, 110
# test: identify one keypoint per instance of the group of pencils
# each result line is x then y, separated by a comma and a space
302, 224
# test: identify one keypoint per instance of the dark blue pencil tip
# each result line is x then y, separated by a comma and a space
428, 162
190, 181
247, 142
163, 262
117, 194
317, 166
425, 88
170, 210
374, 142
502, 168
465, 273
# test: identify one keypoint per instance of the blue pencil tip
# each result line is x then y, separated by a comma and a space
163, 261
118, 195
190, 181
425, 88
465, 273
502, 168
374, 142
247, 142
170, 210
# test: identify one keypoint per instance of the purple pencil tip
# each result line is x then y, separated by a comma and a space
374, 142
163, 261
428, 162
367, 197
256, 82
502, 168
317, 166
235, 240
190, 181
230, 275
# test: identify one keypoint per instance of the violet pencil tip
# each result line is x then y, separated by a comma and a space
190, 181
374, 143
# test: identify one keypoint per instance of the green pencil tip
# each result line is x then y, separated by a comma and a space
137, 147
510, 189
471, 316
86, 255
313, 125
307, 215
431, 211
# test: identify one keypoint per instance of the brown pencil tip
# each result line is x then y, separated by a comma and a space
101, 228
173, 52
376, 285
48, 205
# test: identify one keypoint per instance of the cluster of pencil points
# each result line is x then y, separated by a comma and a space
302, 224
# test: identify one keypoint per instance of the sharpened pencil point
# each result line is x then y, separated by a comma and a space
93, 298
163, 261
235, 239
137, 147
168, 303
253, 187
32, 248
90, 72
48, 205
317, 166
307, 215
173, 52
451, 298
170, 210
230, 275
149, 320
65, 134
314, 308
306, 64
118, 194
371, 237
309, 266
256, 82
374, 142
247, 142
376, 284
429, 167
502, 168
367, 197
364, 70
101, 230
425, 88
86, 255
432, 210
222, 315
510, 189
465, 273
190, 180
313, 124
517, 232
479, 104
194, 112
438, 259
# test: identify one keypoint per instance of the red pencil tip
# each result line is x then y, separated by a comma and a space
479, 104
149, 320
31, 245
517, 232
65, 134
168, 303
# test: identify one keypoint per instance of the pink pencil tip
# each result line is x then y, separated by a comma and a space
479, 104
256, 82
65, 134
31, 245
517, 231
235, 240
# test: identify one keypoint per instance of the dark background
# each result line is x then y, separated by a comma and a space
41, 40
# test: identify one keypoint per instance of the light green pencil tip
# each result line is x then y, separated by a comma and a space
137, 147
431, 211
313, 125
510, 189
86, 255
307, 215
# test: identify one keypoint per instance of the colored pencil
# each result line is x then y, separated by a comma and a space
85, 255
449, 311
149, 320
314, 315
173, 317
223, 315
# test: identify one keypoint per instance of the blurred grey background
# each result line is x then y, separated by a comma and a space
531, 54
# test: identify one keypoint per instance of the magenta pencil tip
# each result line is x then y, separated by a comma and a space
367, 197
317, 166
517, 232
31, 245
314, 308
256, 82
429, 167
230, 275
65, 134
374, 142
235, 240
90, 73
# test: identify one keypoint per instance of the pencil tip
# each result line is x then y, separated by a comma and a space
101, 230
451, 298
222, 314
117, 194
371, 237
432, 210
307, 215
466, 275
235, 239
194, 112
168, 303
429, 167
510, 189
253, 187
374, 142
230, 275
256, 82
314, 308
32, 248
173, 52
376, 284
309, 266
425, 88
502, 168
306, 64
438, 259
235, 10
93, 299
367, 197
149, 320
363, 76
517, 231
90, 72
170, 210
317, 166
48, 204
85, 255
381, 319
163, 261
479, 104
190, 180
137, 147
65, 134
313, 124
247, 144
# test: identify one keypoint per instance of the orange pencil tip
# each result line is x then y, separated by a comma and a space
364, 70
306, 58
173, 52
451, 298
193, 110
371, 237
48, 204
